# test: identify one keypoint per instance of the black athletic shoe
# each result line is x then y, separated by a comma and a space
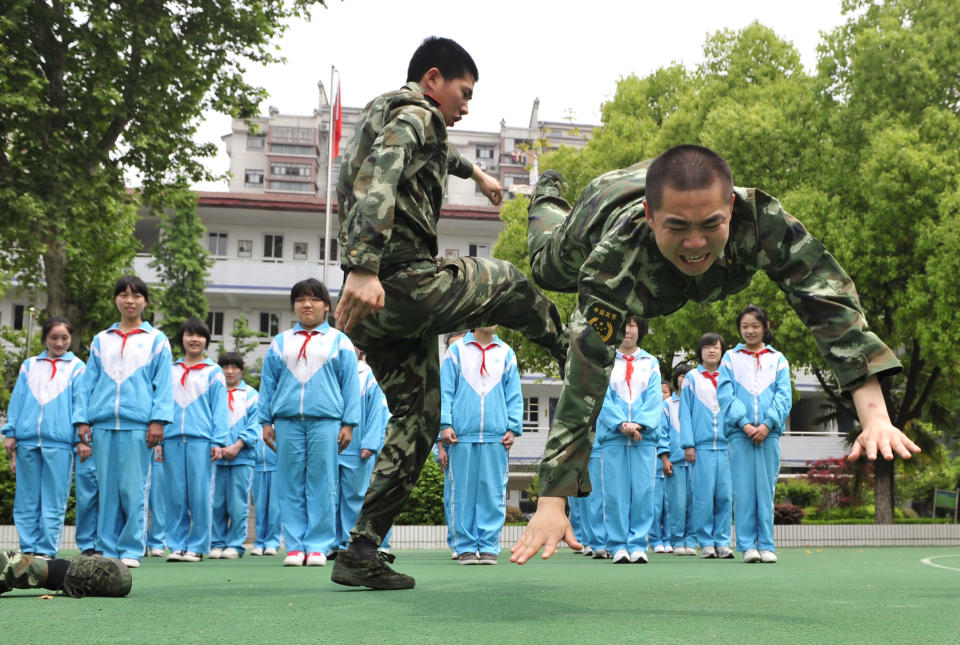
550, 184
89, 552
373, 572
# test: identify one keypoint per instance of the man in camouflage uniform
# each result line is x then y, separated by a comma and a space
644, 241
82, 576
390, 193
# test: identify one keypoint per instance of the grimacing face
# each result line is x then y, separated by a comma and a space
691, 227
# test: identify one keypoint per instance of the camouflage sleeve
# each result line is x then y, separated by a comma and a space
822, 294
20, 571
457, 164
369, 223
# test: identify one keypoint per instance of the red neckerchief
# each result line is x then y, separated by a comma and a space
127, 335
629, 360
483, 355
712, 376
303, 348
230, 397
53, 364
186, 370
765, 350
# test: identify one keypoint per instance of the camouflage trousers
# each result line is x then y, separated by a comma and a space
425, 299
19, 571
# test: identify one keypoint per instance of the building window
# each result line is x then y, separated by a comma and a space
299, 250
299, 186
479, 251
531, 414
269, 324
485, 153
291, 134
217, 244
287, 149
452, 253
273, 247
19, 313
334, 256
244, 248
256, 141
215, 323
253, 178
290, 169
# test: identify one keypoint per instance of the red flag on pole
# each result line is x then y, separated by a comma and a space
337, 123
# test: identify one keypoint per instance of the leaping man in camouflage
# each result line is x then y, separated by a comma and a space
81, 576
644, 241
397, 296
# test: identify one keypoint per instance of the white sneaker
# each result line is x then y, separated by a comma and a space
230, 553
708, 553
639, 557
751, 555
601, 554
724, 552
768, 556
270, 551
157, 553
587, 551
668, 548
293, 559
132, 563
192, 556
175, 556
691, 550
621, 557
316, 559
659, 549
257, 550
215, 554
453, 555
680, 551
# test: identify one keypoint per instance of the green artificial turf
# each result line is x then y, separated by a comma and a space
853, 595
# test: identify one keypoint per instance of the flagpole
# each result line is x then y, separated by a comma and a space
326, 219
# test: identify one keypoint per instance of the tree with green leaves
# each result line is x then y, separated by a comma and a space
91, 92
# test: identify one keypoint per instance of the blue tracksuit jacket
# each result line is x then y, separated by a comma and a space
42, 406
638, 401
374, 415
201, 411
244, 424
701, 419
754, 389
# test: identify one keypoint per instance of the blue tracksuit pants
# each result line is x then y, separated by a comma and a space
447, 508
478, 475
627, 487
188, 474
266, 508
680, 494
596, 531
577, 512
157, 502
231, 506
43, 486
354, 481
87, 503
307, 473
755, 469
123, 470
712, 491
660, 528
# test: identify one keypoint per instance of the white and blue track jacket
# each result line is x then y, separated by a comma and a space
44, 399
310, 375
755, 388
701, 419
127, 384
374, 414
200, 395
635, 401
480, 395
244, 424
670, 426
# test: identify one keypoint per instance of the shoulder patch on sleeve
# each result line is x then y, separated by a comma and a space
603, 320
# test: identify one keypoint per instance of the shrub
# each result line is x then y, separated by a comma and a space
801, 492
514, 515
8, 486
425, 505
787, 514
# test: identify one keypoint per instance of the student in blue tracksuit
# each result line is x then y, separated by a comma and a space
40, 438
309, 406
755, 394
266, 505
702, 419
357, 459
659, 536
193, 441
481, 414
233, 473
157, 504
628, 432
129, 400
678, 468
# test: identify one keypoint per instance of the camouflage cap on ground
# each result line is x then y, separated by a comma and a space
97, 576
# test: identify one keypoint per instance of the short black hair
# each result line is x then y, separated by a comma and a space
193, 326
642, 325
685, 167
231, 358
134, 283
678, 371
446, 55
52, 322
452, 336
309, 287
761, 315
708, 339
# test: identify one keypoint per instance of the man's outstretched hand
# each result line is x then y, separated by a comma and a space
547, 527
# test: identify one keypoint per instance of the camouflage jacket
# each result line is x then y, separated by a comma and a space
392, 180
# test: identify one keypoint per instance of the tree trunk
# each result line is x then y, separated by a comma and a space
55, 273
883, 491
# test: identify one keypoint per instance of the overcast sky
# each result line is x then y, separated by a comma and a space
569, 54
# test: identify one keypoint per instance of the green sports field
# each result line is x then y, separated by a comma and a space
853, 595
